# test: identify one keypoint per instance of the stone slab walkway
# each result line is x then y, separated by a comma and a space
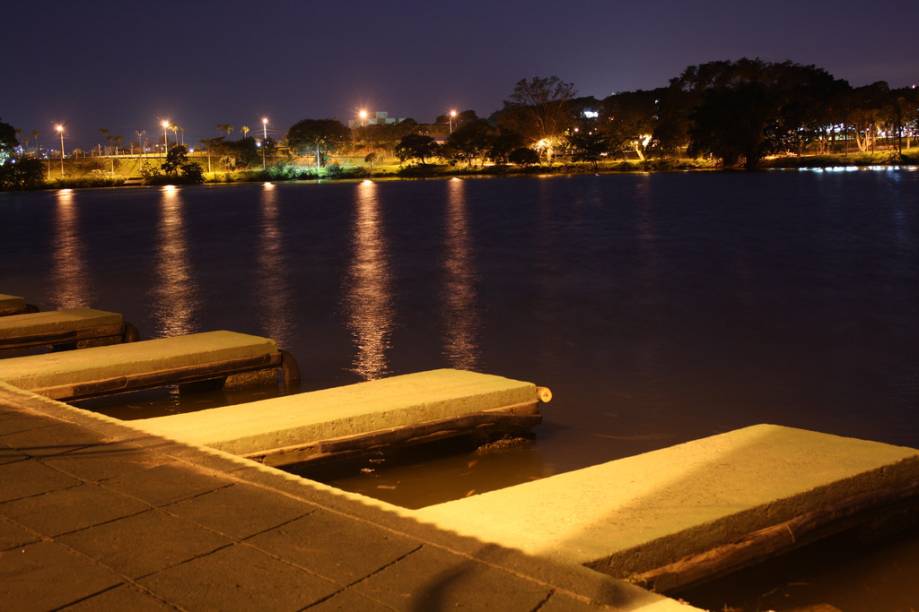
95, 515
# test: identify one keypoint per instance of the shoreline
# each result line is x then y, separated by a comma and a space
853, 162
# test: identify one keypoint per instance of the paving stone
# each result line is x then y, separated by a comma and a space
238, 578
71, 509
14, 423
14, 536
240, 510
9, 455
165, 484
51, 440
349, 600
106, 461
433, 579
340, 548
120, 599
144, 543
47, 575
559, 602
24, 478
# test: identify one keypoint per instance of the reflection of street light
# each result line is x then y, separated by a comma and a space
264, 139
362, 114
165, 124
60, 130
452, 117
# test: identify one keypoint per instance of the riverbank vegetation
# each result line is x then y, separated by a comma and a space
745, 114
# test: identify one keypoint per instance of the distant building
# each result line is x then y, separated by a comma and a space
377, 118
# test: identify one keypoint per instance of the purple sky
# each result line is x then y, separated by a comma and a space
121, 65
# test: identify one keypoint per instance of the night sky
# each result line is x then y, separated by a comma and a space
122, 65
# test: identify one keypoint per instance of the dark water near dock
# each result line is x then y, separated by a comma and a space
658, 308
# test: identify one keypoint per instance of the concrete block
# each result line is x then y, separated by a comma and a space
11, 304
643, 512
56, 322
36, 372
342, 411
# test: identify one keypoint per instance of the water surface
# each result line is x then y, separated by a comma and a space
659, 308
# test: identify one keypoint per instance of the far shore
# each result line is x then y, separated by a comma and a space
290, 172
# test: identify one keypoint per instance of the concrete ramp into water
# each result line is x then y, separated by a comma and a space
683, 514
333, 421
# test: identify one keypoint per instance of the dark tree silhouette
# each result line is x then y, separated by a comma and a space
416, 146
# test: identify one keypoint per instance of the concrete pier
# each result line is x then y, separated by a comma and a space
11, 304
294, 426
97, 515
77, 326
123, 367
678, 515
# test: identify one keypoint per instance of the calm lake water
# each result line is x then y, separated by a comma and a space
659, 308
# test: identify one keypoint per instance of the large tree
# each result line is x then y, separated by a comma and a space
744, 110
588, 144
471, 140
538, 107
630, 120
416, 146
732, 124
317, 136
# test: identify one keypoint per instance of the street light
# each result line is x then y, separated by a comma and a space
362, 114
452, 117
60, 130
165, 125
264, 139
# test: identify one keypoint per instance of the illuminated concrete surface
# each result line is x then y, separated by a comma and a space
11, 304
343, 411
643, 512
53, 322
97, 515
135, 358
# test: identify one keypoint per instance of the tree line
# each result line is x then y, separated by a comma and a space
737, 112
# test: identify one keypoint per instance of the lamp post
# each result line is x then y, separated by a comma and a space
165, 124
60, 130
452, 117
264, 139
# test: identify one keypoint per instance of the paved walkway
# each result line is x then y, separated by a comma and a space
95, 515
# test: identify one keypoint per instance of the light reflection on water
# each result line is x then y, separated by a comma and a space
368, 303
174, 295
461, 348
273, 292
71, 284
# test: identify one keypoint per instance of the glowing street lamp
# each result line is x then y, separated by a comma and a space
165, 125
264, 139
60, 130
362, 114
452, 117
